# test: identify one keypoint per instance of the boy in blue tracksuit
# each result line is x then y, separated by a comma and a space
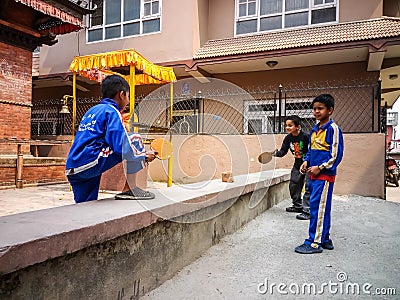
101, 142
324, 155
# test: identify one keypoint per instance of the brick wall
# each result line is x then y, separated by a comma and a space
15, 95
7, 172
43, 174
35, 170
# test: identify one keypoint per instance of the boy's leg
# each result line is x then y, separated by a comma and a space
85, 189
86, 184
306, 196
130, 182
307, 248
130, 190
327, 217
295, 187
305, 214
320, 211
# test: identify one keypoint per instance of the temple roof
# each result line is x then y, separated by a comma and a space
38, 22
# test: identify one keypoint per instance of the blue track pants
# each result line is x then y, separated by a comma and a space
320, 212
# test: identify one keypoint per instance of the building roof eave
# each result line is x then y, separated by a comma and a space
289, 40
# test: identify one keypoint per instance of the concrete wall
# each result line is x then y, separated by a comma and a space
203, 157
353, 10
325, 74
362, 170
122, 251
221, 19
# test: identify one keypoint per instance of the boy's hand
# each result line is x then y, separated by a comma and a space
274, 152
314, 170
303, 168
150, 155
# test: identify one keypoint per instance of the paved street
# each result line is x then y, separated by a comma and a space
366, 234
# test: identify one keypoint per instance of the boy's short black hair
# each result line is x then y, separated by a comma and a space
326, 99
296, 119
112, 85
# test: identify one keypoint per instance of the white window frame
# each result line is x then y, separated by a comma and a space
247, 9
142, 18
324, 3
311, 7
151, 15
304, 113
258, 115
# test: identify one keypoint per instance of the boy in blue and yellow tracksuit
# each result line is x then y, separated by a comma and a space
323, 157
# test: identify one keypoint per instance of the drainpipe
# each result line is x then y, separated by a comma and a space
280, 109
381, 129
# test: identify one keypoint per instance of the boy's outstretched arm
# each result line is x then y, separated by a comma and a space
129, 147
284, 148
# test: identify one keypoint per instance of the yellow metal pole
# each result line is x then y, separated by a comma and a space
73, 105
171, 102
132, 89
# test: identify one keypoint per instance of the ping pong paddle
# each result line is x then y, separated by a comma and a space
265, 157
163, 149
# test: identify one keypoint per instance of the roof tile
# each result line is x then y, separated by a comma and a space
384, 27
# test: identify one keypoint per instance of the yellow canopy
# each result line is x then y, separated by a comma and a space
96, 66
141, 71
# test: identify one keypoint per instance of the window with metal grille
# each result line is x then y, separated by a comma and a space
44, 122
186, 116
259, 116
262, 116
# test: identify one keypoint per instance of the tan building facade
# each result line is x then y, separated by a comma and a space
281, 53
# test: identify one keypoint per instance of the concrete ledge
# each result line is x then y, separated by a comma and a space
107, 233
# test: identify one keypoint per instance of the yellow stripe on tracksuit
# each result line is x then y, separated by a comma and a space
321, 214
335, 145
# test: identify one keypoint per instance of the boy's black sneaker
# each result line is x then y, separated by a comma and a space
328, 245
303, 216
294, 209
135, 194
307, 249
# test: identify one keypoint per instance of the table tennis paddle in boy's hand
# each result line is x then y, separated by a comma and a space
265, 157
163, 149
